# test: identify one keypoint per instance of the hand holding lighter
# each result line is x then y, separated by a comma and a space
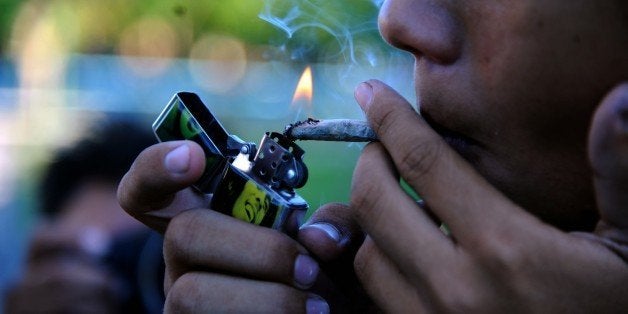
252, 184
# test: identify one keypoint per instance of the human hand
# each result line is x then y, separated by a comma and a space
157, 187
215, 262
498, 257
334, 238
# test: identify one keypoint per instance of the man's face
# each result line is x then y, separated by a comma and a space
512, 85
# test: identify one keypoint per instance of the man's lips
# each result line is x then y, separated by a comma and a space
463, 144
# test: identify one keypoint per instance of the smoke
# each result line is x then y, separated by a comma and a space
323, 30
341, 41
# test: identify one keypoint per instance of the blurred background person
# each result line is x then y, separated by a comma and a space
87, 254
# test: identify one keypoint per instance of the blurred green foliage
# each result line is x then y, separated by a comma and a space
8, 9
96, 26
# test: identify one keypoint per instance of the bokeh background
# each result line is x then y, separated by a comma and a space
66, 64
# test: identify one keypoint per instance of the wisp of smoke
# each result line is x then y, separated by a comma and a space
331, 17
340, 40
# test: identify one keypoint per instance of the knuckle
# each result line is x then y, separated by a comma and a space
277, 259
363, 202
181, 230
197, 292
182, 296
386, 120
418, 159
501, 256
466, 302
126, 189
201, 237
363, 261
462, 297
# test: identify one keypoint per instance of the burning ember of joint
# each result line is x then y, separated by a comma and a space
342, 130
303, 94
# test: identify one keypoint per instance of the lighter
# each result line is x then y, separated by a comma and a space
253, 184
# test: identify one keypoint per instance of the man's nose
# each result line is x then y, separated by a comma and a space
426, 28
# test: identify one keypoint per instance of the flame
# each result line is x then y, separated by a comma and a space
303, 93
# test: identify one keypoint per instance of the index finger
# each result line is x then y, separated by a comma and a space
455, 192
154, 189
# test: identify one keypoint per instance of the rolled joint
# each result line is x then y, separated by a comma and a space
340, 130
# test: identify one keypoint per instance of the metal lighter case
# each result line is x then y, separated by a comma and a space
253, 184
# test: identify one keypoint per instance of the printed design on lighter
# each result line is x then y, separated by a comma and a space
252, 204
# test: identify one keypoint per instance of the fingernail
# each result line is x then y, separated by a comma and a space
178, 160
305, 271
330, 230
316, 305
364, 95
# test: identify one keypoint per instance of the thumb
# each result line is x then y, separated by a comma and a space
608, 152
334, 237
154, 189
331, 232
